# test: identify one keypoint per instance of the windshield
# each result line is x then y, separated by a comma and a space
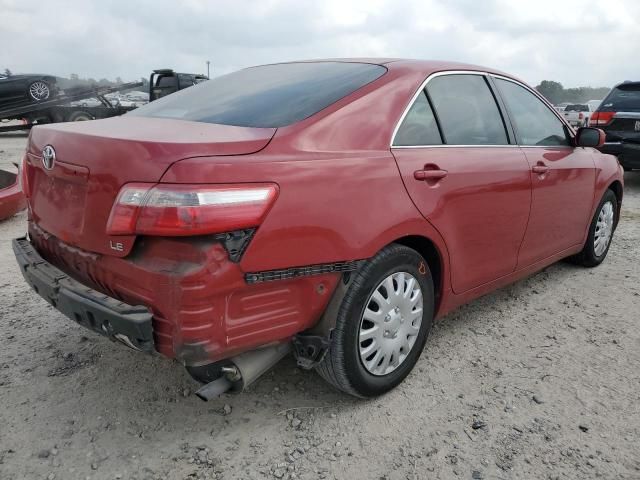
623, 97
267, 96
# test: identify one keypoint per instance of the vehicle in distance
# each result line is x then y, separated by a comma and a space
619, 116
578, 114
165, 81
25, 88
594, 104
229, 221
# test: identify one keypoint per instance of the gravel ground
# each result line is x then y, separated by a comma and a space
540, 380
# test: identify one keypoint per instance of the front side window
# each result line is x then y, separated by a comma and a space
419, 127
467, 111
535, 123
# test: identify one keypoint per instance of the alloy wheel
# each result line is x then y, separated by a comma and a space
39, 91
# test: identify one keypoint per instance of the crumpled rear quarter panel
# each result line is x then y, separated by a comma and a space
203, 310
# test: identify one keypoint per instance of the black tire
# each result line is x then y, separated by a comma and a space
80, 117
588, 257
342, 366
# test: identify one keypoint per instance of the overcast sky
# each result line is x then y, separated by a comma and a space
581, 42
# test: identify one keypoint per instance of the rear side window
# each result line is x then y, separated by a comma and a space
467, 111
623, 97
266, 96
535, 123
419, 127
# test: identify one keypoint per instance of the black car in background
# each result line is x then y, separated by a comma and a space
18, 89
619, 116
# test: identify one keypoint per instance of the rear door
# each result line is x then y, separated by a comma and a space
563, 177
465, 175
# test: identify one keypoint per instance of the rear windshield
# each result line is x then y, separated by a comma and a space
266, 96
623, 97
576, 108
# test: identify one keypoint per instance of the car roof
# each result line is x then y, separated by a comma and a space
426, 67
628, 83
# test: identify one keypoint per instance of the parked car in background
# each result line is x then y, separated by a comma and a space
559, 108
223, 225
86, 102
578, 114
594, 104
619, 116
25, 88
139, 98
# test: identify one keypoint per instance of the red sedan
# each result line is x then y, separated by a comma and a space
338, 207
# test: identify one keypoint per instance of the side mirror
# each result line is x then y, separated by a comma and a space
590, 137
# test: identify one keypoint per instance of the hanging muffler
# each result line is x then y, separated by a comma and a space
242, 370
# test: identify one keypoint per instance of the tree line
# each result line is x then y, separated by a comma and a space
556, 93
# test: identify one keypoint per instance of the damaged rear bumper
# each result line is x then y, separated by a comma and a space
131, 325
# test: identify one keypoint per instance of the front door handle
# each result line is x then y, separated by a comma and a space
540, 169
429, 174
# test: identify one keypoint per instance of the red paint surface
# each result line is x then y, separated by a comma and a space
343, 195
12, 200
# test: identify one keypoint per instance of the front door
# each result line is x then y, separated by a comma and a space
563, 177
465, 177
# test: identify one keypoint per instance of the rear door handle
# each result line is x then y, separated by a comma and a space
540, 169
429, 174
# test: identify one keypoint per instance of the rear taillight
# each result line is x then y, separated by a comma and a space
580, 116
180, 210
600, 119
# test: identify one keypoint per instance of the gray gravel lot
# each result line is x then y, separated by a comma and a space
540, 380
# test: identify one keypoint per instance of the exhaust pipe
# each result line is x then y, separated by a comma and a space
246, 368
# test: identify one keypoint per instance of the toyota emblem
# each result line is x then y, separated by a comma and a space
48, 157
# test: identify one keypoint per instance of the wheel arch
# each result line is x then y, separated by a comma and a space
617, 189
427, 248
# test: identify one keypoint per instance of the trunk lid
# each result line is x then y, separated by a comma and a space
93, 160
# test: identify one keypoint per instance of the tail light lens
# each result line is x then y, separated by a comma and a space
580, 116
600, 119
182, 210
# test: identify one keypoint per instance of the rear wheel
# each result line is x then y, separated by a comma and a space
600, 232
39, 91
80, 117
382, 324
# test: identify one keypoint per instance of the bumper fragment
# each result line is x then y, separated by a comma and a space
12, 199
628, 153
131, 325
